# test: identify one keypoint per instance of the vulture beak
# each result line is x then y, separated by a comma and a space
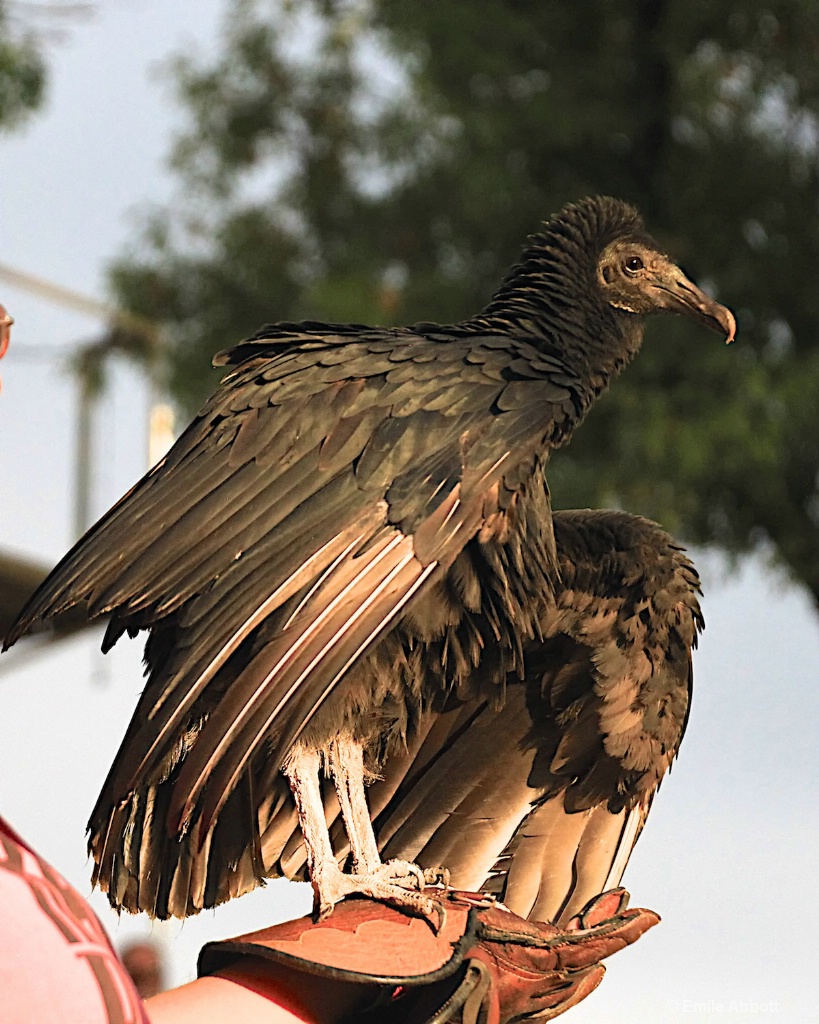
671, 290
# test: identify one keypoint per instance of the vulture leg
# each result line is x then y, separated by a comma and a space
345, 763
396, 882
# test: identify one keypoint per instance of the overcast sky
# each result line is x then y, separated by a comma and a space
728, 857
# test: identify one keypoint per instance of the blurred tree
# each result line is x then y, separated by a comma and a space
383, 162
22, 72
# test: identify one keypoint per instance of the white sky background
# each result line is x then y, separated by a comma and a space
728, 857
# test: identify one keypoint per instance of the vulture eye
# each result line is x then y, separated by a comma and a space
633, 265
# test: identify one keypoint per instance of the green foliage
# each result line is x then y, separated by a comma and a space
383, 162
22, 72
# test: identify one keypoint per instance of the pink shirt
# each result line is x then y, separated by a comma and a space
56, 962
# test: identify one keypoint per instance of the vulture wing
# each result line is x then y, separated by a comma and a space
331, 476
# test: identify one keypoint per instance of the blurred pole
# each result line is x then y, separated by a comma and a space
127, 332
160, 431
83, 461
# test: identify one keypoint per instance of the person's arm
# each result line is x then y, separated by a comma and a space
254, 991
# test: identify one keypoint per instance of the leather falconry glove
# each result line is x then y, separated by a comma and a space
486, 965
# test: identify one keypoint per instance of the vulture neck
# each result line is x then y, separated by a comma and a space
550, 299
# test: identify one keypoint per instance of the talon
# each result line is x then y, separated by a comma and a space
322, 911
402, 871
438, 877
434, 913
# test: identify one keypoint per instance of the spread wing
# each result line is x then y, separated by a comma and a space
332, 475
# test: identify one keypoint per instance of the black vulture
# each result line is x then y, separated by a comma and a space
355, 524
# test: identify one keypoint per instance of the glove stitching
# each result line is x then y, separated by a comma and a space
490, 933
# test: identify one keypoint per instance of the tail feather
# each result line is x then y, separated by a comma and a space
458, 809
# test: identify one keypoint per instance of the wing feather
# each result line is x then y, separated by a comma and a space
167, 711
288, 681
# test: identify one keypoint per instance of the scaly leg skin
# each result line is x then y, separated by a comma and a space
345, 763
330, 884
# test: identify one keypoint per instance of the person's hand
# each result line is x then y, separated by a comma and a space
525, 970
486, 964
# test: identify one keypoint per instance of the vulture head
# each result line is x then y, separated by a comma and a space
586, 282
634, 275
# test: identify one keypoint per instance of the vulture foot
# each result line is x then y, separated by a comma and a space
398, 883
